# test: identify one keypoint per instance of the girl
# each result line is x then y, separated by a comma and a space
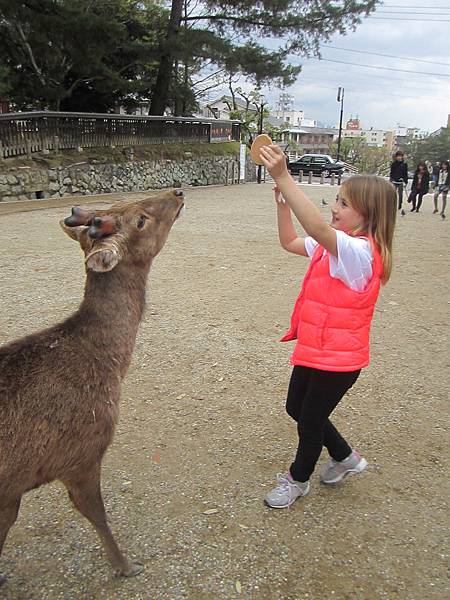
332, 315
420, 186
442, 187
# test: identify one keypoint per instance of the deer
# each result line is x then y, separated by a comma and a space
60, 387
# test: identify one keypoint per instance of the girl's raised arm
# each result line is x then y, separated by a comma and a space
306, 212
287, 234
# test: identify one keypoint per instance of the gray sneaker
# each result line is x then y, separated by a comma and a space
286, 492
334, 471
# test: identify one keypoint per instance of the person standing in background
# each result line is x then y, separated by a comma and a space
420, 186
442, 187
435, 174
399, 176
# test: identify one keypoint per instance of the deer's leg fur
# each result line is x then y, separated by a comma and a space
85, 493
9, 509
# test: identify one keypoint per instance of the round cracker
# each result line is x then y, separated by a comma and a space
258, 142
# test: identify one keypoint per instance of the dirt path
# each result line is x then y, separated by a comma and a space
203, 423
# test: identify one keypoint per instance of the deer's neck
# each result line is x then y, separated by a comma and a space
110, 313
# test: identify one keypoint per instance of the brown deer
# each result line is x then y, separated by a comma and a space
60, 388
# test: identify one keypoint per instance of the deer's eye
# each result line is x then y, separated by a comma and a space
141, 222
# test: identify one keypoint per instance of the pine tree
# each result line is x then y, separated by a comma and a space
225, 33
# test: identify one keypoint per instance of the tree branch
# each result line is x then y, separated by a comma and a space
77, 82
233, 95
120, 71
308, 20
29, 52
226, 18
191, 9
208, 77
199, 93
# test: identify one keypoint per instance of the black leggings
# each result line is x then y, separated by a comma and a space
412, 198
399, 188
312, 397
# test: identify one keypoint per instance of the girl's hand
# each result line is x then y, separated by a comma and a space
277, 195
274, 160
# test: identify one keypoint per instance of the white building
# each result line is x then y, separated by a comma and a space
293, 118
308, 123
310, 140
352, 133
376, 138
410, 132
221, 108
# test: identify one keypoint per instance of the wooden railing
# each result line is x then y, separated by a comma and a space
350, 168
28, 133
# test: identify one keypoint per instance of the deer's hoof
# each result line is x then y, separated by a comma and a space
2, 578
131, 570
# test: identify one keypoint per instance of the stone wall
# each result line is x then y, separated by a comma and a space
29, 183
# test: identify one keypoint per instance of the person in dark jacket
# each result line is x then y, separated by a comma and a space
399, 175
420, 186
443, 186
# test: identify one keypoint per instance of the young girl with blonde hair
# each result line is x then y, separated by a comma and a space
350, 259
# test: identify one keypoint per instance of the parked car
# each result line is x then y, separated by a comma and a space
318, 164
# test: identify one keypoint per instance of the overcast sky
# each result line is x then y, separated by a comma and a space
383, 98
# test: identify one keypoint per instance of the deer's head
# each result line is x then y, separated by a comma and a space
128, 232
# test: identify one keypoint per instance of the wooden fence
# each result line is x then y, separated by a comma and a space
27, 133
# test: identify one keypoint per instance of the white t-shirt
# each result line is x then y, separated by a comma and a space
442, 177
353, 264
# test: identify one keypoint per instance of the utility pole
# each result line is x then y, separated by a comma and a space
340, 98
260, 130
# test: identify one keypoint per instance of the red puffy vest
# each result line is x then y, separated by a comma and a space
331, 322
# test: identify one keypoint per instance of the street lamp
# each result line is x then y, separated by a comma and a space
340, 98
260, 130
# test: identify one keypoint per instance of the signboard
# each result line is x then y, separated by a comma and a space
242, 154
221, 132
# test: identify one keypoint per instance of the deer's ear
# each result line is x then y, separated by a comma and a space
102, 260
73, 232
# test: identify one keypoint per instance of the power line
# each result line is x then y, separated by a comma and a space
407, 90
407, 86
409, 19
411, 83
430, 62
343, 62
408, 95
415, 6
393, 78
397, 12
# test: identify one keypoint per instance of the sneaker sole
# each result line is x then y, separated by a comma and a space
359, 468
287, 505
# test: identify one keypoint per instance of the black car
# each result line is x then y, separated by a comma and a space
318, 164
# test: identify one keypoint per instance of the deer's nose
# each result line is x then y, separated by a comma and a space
102, 226
179, 193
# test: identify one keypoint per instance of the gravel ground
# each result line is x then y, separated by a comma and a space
203, 430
